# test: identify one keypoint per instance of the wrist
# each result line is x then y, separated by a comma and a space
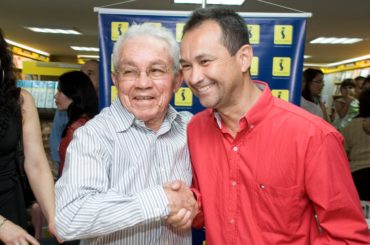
2, 221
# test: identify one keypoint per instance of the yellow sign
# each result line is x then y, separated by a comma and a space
29, 54
281, 66
254, 66
117, 29
254, 34
283, 34
179, 28
184, 97
281, 94
113, 93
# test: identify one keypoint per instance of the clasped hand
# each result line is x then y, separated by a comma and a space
182, 204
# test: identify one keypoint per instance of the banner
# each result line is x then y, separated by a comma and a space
277, 40
278, 48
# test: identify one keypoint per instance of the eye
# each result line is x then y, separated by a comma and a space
185, 67
204, 61
157, 71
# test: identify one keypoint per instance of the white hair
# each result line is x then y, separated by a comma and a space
146, 29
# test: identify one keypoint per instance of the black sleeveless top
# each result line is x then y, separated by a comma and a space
12, 204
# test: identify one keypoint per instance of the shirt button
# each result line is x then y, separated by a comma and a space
252, 126
233, 183
232, 221
262, 186
235, 148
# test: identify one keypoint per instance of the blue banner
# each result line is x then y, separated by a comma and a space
278, 48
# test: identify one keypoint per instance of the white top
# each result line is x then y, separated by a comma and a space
311, 107
111, 188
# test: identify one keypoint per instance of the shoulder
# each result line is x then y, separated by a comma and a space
184, 117
201, 119
27, 99
297, 119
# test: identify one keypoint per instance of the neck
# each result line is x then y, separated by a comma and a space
243, 101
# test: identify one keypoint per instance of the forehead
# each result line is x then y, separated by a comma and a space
203, 38
145, 49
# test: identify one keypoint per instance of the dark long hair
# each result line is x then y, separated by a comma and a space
9, 93
364, 103
308, 76
77, 86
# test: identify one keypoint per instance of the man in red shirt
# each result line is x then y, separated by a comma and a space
265, 171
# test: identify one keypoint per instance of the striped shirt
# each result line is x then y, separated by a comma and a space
111, 188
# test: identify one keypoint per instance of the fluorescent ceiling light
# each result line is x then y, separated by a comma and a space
335, 40
87, 56
224, 2
85, 48
307, 56
365, 57
26, 47
54, 31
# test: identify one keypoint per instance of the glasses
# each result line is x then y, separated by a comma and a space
154, 72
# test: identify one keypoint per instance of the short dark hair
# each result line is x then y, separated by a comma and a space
234, 29
364, 103
349, 82
77, 86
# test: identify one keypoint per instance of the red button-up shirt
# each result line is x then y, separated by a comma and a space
266, 185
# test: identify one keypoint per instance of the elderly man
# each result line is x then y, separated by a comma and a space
116, 184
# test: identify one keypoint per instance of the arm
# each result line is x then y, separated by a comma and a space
341, 107
87, 205
35, 163
330, 188
11, 233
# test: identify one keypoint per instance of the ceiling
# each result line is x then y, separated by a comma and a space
338, 18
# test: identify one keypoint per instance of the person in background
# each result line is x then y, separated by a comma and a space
117, 184
18, 114
90, 68
262, 167
346, 107
306, 104
366, 84
312, 87
359, 81
76, 95
357, 143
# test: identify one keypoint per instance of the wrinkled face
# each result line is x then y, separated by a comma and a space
62, 101
208, 68
316, 85
145, 79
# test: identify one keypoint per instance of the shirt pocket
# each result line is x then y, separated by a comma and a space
276, 209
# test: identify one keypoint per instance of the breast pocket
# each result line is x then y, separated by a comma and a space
276, 209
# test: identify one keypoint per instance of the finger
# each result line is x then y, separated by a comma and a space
177, 217
30, 240
176, 185
185, 219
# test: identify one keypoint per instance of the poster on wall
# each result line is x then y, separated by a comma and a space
277, 40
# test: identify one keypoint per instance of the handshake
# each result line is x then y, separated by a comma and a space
182, 204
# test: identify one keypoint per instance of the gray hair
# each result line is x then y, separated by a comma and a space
146, 29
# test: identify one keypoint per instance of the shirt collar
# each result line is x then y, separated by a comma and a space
258, 111
126, 119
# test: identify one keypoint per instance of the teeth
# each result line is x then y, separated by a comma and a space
204, 89
143, 97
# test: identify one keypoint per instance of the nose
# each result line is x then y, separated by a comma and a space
143, 80
195, 75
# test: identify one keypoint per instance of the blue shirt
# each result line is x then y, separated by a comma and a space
59, 123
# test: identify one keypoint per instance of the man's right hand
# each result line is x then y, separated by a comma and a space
182, 204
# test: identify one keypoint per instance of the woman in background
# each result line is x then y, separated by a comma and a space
311, 91
346, 107
357, 143
76, 95
18, 113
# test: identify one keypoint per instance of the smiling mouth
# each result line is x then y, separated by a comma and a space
204, 89
143, 97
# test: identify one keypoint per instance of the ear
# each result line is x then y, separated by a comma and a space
114, 79
178, 81
245, 55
